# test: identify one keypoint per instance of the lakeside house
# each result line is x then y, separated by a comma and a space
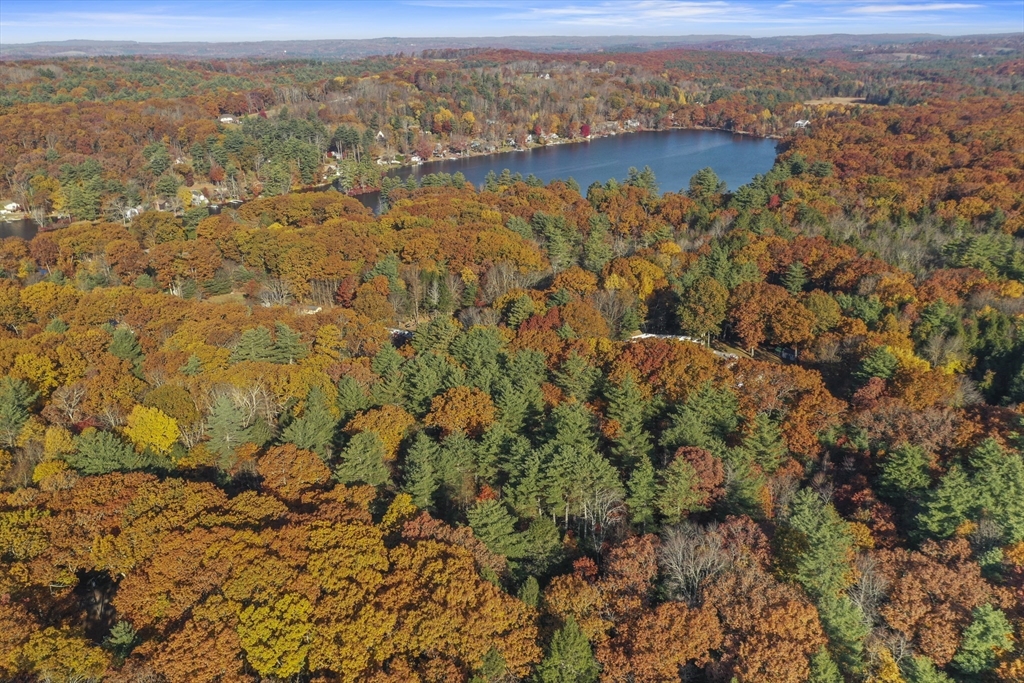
11, 207
802, 123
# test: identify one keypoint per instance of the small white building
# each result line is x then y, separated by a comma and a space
12, 207
802, 123
227, 119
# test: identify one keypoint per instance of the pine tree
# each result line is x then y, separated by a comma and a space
122, 640
226, 427
678, 494
362, 461
387, 361
948, 506
923, 670
254, 345
124, 345
15, 398
879, 363
904, 473
765, 444
626, 406
495, 526
437, 335
823, 566
989, 633
192, 367
795, 278
288, 347
998, 481
420, 480
456, 466
351, 398
529, 592
641, 493
99, 452
314, 429
577, 377
824, 669
569, 658
596, 250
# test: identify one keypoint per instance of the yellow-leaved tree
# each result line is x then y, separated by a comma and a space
152, 428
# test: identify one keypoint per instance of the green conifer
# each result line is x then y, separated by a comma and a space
362, 461
314, 429
569, 658
420, 479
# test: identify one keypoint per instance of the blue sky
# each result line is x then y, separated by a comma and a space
23, 21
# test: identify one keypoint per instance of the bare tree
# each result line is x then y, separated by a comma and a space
275, 293
690, 554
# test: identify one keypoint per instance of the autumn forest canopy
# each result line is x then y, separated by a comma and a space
521, 432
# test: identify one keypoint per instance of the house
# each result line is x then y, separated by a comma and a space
12, 207
380, 136
227, 119
802, 123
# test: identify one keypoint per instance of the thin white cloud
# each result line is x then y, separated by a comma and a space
926, 7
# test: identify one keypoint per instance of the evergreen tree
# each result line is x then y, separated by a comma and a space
255, 345
879, 363
641, 493
904, 473
596, 250
351, 398
765, 443
528, 486
922, 670
824, 550
479, 350
362, 461
437, 335
998, 481
15, 398
192, 367
456, 466
626, 406
99, 452
422, 382
288, 347
314, 429
990, 632
569, 658
795, 278
420, 480
529, 592
948, 506
495, 526
387, 361
123, 344
577, 378
121, 641
824, 669
822, 566
678, 494
226, 427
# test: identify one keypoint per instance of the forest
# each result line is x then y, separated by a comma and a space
522, 432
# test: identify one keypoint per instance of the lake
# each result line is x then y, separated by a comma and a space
673, 155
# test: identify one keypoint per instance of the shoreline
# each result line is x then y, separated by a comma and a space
532, 146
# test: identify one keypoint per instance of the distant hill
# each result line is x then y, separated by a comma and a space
353, 49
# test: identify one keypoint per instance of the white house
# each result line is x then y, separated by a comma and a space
227, 119
802, 123
12, 207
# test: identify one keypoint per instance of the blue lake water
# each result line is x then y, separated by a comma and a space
673, 155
